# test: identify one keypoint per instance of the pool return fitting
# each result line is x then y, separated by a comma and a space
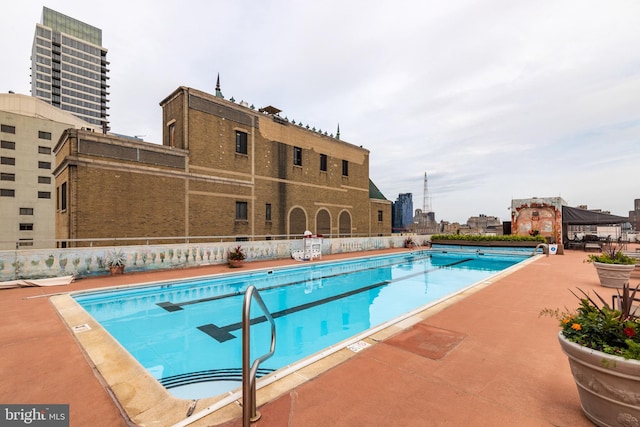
249, 412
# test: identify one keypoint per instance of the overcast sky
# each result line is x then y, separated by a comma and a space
493, 99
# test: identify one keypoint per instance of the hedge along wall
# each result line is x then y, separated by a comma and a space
86, 262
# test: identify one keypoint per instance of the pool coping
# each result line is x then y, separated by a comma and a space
125, 378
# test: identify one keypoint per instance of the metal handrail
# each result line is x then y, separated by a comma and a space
249, 413
417, 247
544, 246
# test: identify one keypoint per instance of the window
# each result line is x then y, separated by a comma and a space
345, 168
26, 226
241, 211
63, 197
267, 212
323, 162
7, 161
241, 142
7, 129
297, 156
44, 194
172, 133
7, 176
44, 165
44, 135
9, 145
5, 192
379, 216
26, 242
44, 150
26, 211
44, 180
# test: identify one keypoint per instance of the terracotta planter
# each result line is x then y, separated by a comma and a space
116, 269
613, 275
609, 386
236, 263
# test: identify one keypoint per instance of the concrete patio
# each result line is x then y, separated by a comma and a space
483, 358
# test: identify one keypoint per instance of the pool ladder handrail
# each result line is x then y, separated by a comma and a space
545, 249
417, 248
249, 412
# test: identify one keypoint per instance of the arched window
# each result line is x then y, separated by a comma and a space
297, 221
323, 222
344, 224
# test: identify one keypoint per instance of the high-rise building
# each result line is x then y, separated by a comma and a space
69, 67
634, 215
403, 212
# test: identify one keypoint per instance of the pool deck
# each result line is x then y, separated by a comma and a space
483, 358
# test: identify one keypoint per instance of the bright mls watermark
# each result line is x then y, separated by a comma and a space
34, 415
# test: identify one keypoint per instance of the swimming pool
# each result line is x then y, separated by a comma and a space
187, 334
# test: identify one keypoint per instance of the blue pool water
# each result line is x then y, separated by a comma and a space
188, 333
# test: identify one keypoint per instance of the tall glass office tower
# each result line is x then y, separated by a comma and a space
402, 213
69, 67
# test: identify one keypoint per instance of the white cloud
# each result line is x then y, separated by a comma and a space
493, 99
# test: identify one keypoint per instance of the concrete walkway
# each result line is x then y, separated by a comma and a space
484, 359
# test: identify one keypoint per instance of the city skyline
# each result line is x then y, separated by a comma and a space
496, 101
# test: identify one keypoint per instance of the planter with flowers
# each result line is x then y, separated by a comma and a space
236, 257
116, 262
614, 268
603, 347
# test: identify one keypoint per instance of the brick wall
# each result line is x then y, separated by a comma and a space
120, 188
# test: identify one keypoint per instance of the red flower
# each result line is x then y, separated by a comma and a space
629, 331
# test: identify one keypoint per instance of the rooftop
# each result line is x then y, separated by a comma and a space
484, 357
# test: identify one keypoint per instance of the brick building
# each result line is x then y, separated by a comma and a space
223, 169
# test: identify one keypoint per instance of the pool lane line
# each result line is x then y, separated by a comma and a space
171, 307
222, 334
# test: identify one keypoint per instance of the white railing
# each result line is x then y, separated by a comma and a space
92, 260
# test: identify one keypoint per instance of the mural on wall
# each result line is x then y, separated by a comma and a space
93, 261
538, 216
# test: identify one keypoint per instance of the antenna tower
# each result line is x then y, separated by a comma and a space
425, 204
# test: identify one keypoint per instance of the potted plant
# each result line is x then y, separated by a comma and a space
603, 347
236, 257
116, 262
409, 243
613, 266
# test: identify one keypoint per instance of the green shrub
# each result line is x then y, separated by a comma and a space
483, 238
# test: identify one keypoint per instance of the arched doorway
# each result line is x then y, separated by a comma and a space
323, 222
344, 224
297, 221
